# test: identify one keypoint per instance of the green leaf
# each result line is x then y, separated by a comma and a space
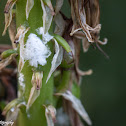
62, 42
7, 53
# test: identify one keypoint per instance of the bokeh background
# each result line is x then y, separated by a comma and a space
104, 92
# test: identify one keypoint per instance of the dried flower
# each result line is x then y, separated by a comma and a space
8, 14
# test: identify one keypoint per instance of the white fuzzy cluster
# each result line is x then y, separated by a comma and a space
45, 37
21, 80
21, 84
36, 50
62, 118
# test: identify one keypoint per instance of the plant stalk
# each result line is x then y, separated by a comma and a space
36, 113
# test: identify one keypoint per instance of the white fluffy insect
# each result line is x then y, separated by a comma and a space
36, 50
21, 84
21, 80
45, 36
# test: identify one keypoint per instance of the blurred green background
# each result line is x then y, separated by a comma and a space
104, 92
